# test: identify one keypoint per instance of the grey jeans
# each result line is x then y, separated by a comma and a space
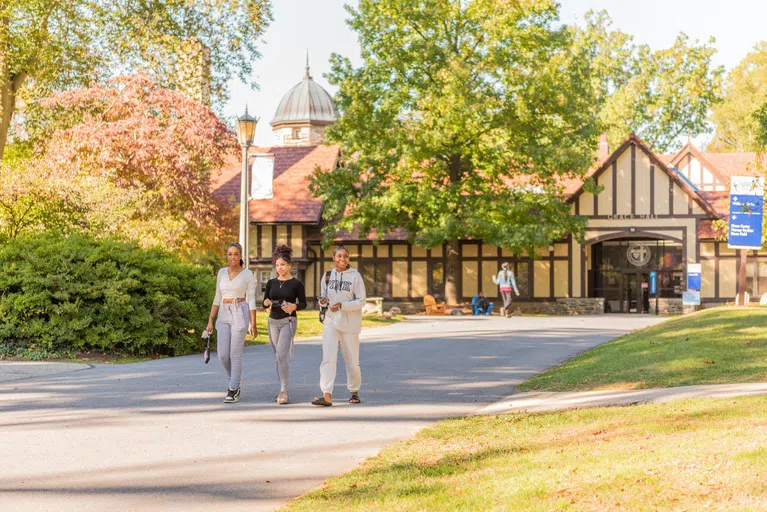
281, 334
231, 327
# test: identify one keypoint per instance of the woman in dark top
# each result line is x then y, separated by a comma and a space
285, 295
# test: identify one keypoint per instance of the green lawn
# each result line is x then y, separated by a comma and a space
684, 455
309, 324
714, 346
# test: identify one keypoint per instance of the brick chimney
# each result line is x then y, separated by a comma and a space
604, 148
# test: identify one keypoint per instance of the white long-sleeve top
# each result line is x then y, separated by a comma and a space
347, 288
242, 286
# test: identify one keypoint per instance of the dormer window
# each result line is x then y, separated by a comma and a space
296, 133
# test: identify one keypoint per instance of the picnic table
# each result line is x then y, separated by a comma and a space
374, 304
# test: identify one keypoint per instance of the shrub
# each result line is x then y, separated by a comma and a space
59, 294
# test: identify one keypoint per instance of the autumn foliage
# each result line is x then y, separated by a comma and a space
152, 150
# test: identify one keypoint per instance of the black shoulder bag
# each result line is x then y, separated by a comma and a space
324, 310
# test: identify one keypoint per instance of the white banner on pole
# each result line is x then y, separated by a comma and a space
262, 175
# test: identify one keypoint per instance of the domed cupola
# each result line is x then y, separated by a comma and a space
303, 114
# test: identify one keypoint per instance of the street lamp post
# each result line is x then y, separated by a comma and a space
246, 129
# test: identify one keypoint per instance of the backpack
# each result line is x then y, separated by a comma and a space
324, 310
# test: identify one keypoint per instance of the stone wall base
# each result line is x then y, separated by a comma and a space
670, 307
563, 306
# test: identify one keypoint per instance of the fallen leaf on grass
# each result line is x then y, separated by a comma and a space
709, 361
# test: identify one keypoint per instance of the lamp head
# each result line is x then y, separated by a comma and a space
246, 129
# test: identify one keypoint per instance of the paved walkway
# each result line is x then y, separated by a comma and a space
156, 436
17, 370
536, 401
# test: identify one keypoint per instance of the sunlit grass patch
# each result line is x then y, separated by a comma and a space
684, 455
309, 325
714, 346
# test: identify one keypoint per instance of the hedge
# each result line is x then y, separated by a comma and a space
64, 294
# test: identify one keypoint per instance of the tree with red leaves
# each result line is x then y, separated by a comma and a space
154, 148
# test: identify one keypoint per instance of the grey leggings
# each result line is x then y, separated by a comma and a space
281, 334
506, 301
232, 326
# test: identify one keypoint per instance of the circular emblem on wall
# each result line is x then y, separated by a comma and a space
638, 255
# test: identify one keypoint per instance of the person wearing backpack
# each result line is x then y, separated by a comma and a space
342, 292
285, 295
506, 282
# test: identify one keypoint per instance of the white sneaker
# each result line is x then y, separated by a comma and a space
232, 396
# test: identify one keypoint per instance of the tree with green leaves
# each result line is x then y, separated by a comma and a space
190, 45
461, 123
659, 95
736, 128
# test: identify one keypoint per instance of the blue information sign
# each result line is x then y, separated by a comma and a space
746, 209
693, 277
653, 283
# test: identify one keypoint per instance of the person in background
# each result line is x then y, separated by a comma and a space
481, 303
235, 304
343, 293
285, 295
506, 283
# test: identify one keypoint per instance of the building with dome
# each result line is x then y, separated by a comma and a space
656, 214
303, 113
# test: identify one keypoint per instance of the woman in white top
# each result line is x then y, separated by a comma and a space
343, 293
235, 304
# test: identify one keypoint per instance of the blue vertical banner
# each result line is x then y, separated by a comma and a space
746, 210
653, 282
693, 277
692, 296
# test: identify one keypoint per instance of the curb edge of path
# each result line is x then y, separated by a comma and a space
537, 401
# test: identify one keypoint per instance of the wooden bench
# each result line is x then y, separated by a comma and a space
373, 304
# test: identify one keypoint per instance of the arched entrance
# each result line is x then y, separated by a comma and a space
620, 271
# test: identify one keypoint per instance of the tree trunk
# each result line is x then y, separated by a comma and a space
742, 277
453, 262
452, 269
9, 87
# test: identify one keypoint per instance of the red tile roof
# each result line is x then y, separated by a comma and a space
726, 164
720, 201
292, 200
293, 203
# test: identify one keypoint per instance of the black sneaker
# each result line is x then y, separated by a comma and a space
232, 396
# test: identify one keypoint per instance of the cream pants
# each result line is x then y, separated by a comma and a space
350, 350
